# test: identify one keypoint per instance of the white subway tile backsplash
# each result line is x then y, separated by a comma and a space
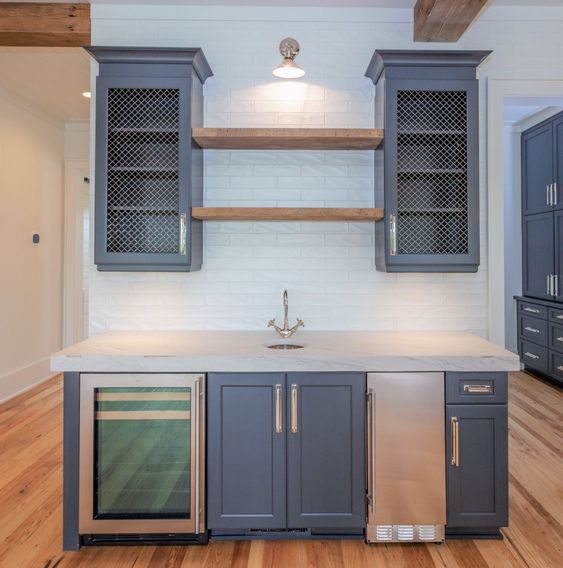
327, 267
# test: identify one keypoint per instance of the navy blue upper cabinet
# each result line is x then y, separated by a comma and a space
558, 161
537, 169
427, 174
538, 255
148, 172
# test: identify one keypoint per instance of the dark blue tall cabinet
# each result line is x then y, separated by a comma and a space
540, 308
148, 172
427, 171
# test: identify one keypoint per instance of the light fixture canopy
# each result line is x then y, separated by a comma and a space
288, 69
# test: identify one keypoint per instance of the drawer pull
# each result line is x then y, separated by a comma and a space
560, 339
531, 355
531, 310
532, 329
478, 389
559, 317
560, 367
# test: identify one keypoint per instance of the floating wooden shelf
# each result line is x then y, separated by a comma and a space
287, 214
288, 138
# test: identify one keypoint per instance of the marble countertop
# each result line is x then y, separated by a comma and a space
246, 351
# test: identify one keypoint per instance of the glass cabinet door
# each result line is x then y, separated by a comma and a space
140, 447
142, 452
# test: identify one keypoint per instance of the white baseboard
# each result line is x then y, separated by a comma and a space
23, 379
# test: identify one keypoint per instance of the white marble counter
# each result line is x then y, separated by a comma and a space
245, 351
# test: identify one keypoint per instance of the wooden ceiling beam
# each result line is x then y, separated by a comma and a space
444, 20
38, 24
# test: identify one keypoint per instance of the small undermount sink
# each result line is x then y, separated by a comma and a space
285, 346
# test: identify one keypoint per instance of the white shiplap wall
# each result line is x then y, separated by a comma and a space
327, 267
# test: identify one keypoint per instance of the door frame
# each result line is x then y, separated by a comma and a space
73, 308
496, 92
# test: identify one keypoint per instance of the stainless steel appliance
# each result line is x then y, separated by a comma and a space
141, 454
406, 457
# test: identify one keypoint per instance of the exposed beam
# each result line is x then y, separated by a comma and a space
37, 24
444, 20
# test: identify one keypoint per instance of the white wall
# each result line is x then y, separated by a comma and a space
31, 171
512, 231
327, 268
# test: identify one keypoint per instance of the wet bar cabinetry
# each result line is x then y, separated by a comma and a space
426, 173
148, 171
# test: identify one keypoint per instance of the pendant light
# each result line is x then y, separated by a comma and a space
288, 69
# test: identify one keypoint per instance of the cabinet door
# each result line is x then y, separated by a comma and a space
538, 255
558, 158
537, 169
477, 471
558, 243
142, 173
246, 451
326, 472
431, 176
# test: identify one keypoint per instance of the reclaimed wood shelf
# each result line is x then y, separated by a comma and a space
287, 214
288, 138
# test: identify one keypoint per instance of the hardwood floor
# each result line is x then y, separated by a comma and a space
31, 496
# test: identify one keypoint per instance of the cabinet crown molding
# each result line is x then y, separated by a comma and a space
422, 57
192, 56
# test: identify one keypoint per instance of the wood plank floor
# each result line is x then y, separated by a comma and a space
31, 495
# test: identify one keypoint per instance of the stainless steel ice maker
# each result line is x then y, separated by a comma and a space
406, 457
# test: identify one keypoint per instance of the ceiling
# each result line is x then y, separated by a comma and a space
346, 3
49, 78
517, 109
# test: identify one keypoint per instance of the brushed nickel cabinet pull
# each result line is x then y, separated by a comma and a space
560, 368
183, 221
393, 235
294, 428
549, 285
532, 310
555, 196
197, 482
455, 441
370, 462
548, 194
279, 423
556, 285
560, 339
532, 329
480, 389
531, 355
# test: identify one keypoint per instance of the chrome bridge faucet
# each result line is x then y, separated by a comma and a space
286, 332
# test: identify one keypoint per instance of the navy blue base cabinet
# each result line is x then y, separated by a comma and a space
477, 454
149, 173
427, 173
286, 454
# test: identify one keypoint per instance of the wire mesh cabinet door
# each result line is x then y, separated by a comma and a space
431, 175
143, 171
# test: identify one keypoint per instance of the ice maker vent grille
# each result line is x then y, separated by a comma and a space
405, 533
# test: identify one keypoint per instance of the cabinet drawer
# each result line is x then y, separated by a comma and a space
533, 329
533, 355
556, 365
556, 315
476, 388
535, 310
556, 337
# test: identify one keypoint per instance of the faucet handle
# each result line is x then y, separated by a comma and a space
272, 323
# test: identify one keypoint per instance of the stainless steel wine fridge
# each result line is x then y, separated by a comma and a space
141, 460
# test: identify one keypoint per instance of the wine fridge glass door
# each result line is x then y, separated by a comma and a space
139, 459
